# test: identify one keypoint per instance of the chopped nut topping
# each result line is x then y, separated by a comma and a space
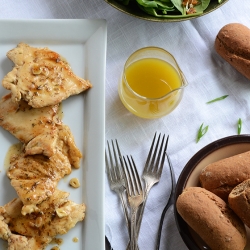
189, 4
74, 182
36, 70
62, 212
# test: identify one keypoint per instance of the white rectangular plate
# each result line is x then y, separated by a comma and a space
83, 44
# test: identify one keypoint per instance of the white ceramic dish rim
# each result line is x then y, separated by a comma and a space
83, 43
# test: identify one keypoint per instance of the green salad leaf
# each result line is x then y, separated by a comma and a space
172, 8
156, 8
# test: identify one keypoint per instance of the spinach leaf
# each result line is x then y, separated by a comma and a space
156, 7
159, 12
169, 8
179, 6
201, 7
166, 4
147, 3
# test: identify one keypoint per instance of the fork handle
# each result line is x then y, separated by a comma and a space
133, 231
125, 209
128, 246
142, 207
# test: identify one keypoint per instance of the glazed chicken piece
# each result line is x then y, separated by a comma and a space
41, 77
4, 229
57, 216
35, 177
27, 123
41, 129
50, 222
66, 144
19, 242
61, 140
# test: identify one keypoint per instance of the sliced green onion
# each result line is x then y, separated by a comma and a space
239, 126
201, 132
218, 99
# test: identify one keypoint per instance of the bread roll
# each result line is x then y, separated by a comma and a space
233, 44
239, 201
212, 219
222, 176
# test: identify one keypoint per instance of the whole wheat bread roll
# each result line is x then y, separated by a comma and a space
233, 44
222, 176
212, 219
239, 201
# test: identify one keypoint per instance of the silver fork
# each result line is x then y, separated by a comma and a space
135, 197
153, 169
115, 174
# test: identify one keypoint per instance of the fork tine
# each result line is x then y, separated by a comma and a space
155, 152
120, 158
151, 158
159, 152
139, 184
152, 162
150, 152
137, 187
113, 169
127, 177
163, 155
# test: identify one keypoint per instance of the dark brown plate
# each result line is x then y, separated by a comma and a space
133, 10
189, 176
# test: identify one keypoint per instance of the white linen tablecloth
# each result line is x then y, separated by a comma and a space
209, 77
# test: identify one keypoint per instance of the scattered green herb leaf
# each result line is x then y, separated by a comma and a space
218, 99
239, 126
202, 131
